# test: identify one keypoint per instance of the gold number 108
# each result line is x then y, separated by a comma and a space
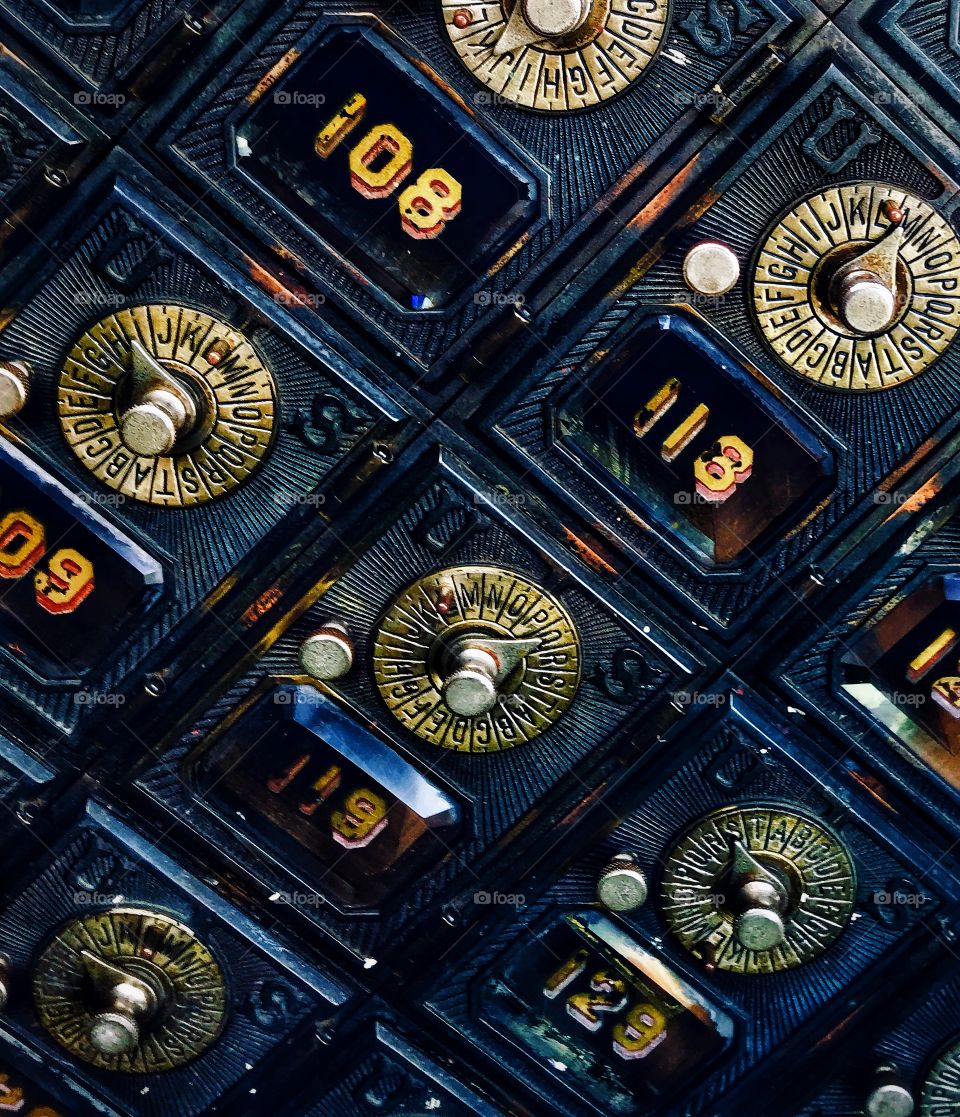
381, 160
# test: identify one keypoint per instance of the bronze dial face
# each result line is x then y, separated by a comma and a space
210, 388
940, 1096
175, 1003
556, 55
856, 327
476, 658
744, 873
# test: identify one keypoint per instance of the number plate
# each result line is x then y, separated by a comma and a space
707, 451
360, 176
883, 667
626, 1027
362, 819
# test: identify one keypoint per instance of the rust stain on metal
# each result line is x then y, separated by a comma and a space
283, 292
921, 452
872, 787
263, 604
583, 805
809, 518
915, 501
587, 553
510, 253
448, 89
270, 78
653, 209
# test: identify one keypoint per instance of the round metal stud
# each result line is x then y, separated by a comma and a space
15, 379
328, 653
889, 1096
622, 885
711, 269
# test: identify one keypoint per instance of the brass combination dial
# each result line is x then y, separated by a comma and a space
858, 287
167, 405
940, 1096
476, 658
130, 990
556, 55
758, 889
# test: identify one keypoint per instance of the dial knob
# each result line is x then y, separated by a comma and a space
758, 925
622, 885
552, 18
128, 1003
15, 379
162, 409
865, 303
865, 289
480, 665
328, 653
556, 55
472, 688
